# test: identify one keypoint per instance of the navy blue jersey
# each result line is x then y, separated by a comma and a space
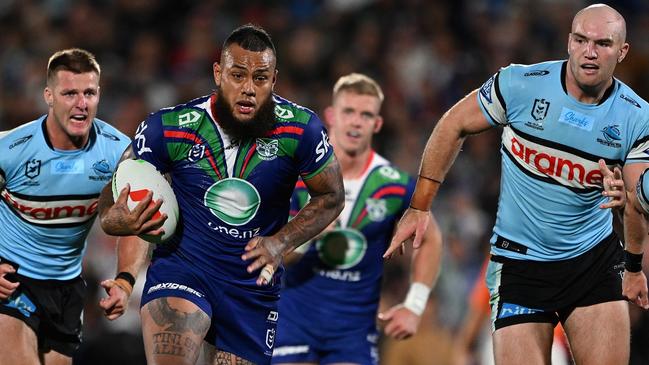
337, 282
230, 191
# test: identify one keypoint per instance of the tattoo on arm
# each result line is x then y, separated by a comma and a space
327, 200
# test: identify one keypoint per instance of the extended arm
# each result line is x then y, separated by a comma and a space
132, 255
463, 119
634, 284
403, 319
326, 203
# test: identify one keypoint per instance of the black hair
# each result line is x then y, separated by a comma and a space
250, 37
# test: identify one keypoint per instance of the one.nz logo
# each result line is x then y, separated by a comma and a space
32, 168
612, 136
267, 149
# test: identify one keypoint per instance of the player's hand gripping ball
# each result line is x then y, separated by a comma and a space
144, 177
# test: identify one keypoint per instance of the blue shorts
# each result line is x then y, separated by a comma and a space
243, 321
301, 342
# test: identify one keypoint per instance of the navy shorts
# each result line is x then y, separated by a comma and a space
303, 343
52, 308
243, 321
547, 292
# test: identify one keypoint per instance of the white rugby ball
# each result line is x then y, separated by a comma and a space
143, 177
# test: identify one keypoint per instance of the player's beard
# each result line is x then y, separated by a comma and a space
256, 127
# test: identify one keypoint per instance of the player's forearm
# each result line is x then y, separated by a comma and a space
311, 219
426, 259
132, 254
635, 230
424, 269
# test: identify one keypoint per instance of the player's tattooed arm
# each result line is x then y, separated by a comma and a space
115, 217
327, 201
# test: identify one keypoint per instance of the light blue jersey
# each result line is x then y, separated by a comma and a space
551, 143
49, 199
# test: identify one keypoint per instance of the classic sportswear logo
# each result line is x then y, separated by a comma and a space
342, 248
565, 168
234, 201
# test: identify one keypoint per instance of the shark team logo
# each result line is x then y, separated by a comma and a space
342, 248
376, 209
267, 149
234, 201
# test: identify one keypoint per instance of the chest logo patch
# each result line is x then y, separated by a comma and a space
267, 149
376, 209
576, 119
342, 248
234, 201
33, 168
540, 109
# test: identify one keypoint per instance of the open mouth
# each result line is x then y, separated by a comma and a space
354, 134
589, 68
79, 117
245, 106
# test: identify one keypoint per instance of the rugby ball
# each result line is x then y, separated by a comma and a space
143, 177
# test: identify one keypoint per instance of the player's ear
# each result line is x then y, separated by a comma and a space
329, 116
216, 67
275, 77
48, 97
378, 124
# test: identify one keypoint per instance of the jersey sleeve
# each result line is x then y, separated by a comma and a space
148, 143
493, 97
314, 151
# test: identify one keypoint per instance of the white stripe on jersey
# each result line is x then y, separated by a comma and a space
641, 151
71, 211
565, 168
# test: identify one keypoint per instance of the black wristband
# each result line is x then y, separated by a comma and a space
415, 208
431, 179
632, 261
126, 276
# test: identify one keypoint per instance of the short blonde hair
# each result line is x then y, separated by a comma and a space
359, 84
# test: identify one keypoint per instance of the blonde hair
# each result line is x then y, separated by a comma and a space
359, 84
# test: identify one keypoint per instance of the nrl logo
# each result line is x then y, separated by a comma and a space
267, 149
